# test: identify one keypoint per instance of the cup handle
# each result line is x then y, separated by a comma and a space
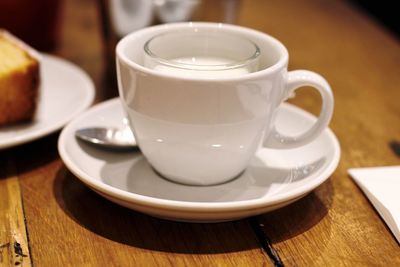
295, 80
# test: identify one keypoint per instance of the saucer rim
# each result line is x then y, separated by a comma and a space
137, 199
86, 102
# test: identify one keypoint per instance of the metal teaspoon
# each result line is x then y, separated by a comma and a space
111, 138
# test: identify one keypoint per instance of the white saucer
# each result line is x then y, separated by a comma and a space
65, 91
274, 179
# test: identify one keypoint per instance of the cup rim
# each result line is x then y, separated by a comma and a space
209, 67
281, 63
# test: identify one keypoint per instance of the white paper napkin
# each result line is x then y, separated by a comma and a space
382, 187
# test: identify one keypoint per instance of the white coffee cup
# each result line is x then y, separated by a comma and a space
204, 129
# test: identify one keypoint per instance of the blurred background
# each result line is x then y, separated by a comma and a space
385, 12
87, 31
37, 22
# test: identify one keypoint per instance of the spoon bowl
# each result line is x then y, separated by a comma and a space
110, 138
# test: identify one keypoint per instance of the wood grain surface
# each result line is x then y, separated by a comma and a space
13, 240
49, 218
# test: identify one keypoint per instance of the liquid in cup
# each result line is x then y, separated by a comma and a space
201, 55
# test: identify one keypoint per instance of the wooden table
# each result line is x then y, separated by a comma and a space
49, 218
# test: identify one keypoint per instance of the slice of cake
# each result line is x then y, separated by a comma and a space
19, 80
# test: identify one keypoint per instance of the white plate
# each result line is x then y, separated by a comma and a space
65, 91
274, 178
